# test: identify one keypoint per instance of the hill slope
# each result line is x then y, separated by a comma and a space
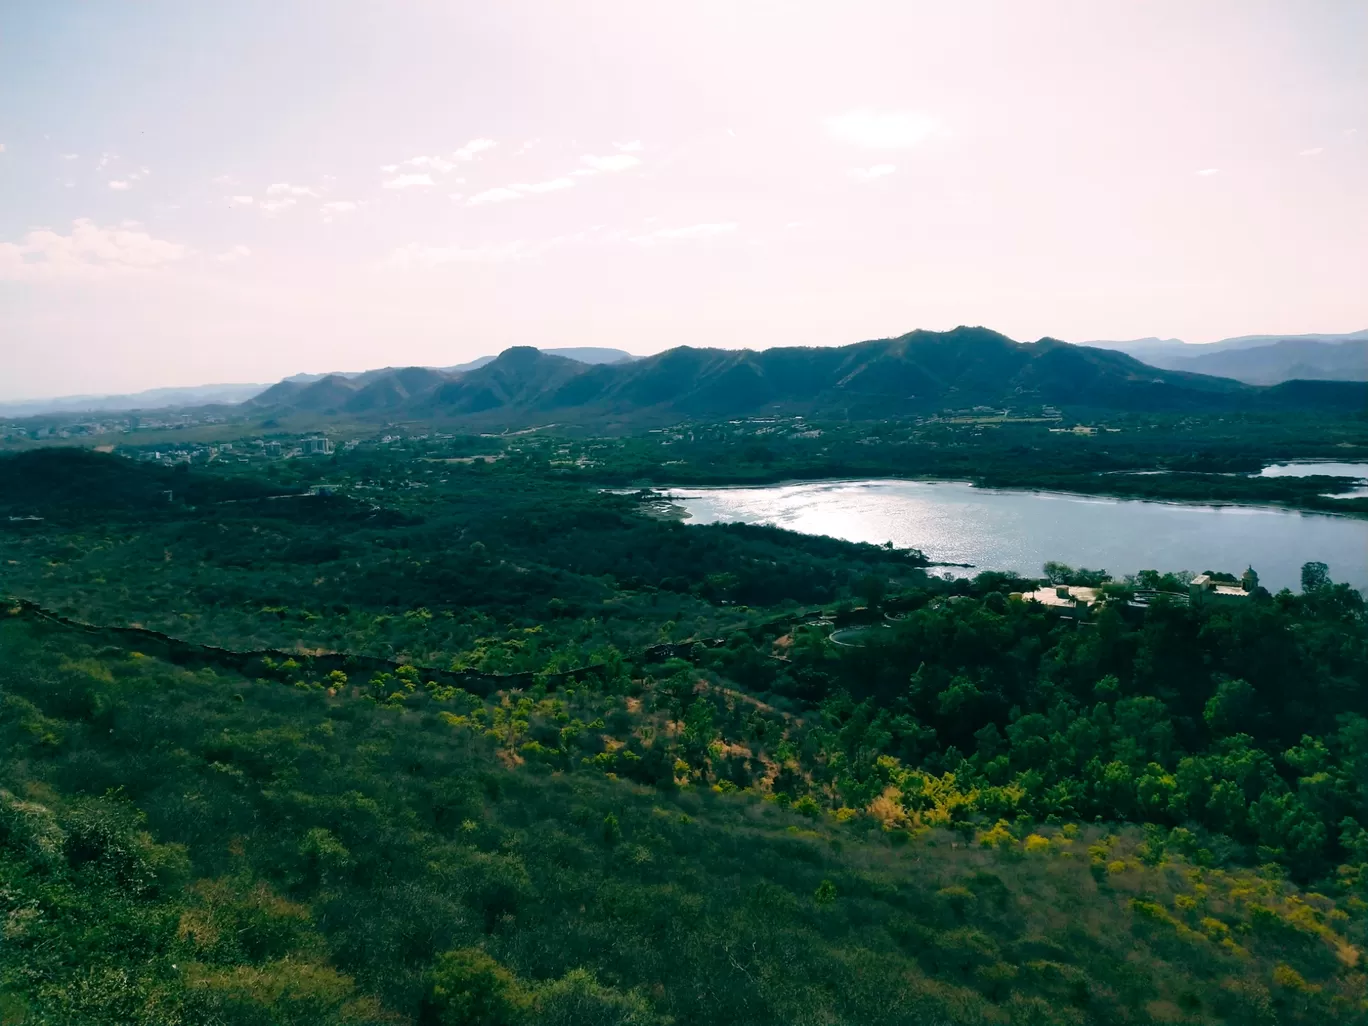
206, 846
922, 371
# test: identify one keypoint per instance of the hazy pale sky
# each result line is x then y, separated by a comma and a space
196, 192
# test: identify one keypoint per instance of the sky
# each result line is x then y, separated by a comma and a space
195, 193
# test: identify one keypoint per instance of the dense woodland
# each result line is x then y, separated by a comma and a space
983, 812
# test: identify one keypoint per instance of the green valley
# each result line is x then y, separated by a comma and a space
403, 734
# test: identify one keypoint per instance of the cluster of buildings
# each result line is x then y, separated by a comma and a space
1217, 588
1210, 588
241, 452
45, 429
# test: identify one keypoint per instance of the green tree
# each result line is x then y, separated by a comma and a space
1234, 709
578, 998
467, 987
612, 831
872, 589
1314, 577
825, 894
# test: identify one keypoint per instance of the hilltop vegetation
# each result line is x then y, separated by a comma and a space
986, 813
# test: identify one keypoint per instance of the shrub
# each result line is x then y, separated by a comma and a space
467, 987
612, 833
323, 851
1289, 979
31, 829
1000, 836
579, 998
825, 893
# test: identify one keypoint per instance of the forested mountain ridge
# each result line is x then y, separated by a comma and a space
922, 371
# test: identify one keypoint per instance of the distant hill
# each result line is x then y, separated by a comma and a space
1257, 359
152, 399
920, 372
580, 354
386, 397
1284, 361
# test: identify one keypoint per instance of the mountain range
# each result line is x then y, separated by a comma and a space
580, 354
151, 399
919, 371
923, 371
204, 395
1257, 359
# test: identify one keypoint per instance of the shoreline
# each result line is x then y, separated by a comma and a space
673, 495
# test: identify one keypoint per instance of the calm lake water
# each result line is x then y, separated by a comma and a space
1359, 470
997, 529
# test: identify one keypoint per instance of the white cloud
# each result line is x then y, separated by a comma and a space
409, 181
500, 195
868, 174
552, 185
472, 148
118, 186
233, 254
1349, 133
275, 206
65, 156
415, 255
335, 209
881, 130
518, 190
286, 189
432, 163
525, 147
615, 162
88, 250
105, 158
1315, 151
223, 181
242, 201
1207, 172
693, 231
2, 147
628, 147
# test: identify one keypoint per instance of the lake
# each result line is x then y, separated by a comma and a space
1310, 469
1000, 529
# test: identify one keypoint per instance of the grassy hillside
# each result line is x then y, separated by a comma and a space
983, 812
181, 847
